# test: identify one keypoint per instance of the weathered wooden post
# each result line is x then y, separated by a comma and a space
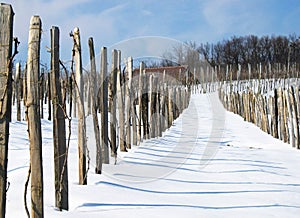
104, 106
6, 38
281, 124
49, 95
18, 81
70, 87
94, 103
157, 109
74, 99
286, 115
154, 126
297, 109
120, 92
113, 103
25, 86
34, 121
88, 94
132, 106
145, 106
80, 105
42, 93
140, 93
276, 114
163, 103
128, 102
151, 102
170, 107
59, 128
293, 117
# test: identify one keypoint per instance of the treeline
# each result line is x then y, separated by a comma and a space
253, 50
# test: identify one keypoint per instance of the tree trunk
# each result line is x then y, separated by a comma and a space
34, 121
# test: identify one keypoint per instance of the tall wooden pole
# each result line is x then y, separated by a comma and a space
140, 93
151, 109
49, 95
42, 93
18, 81
131, 98
59, 127
128, 102
104, 106
6, 35
80, 105
145, 107
120, 93
113, 103
34, 121
94, 102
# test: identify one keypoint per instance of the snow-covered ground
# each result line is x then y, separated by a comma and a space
210, 163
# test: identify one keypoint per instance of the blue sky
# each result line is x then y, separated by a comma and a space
112, 21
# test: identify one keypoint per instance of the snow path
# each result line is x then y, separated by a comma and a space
210, 163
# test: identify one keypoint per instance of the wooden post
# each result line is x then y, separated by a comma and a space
271, 113
6, 37
158, 114
80, 106
120, 105
285, 115
104, 106
34, 121
151, 106
140, 93
293, 117
163, 103
49, 95
297, 109
128, 102
25, 86
113, 103
132, 105
70, 87
42, 93
276, 114
145, 106
280, 114
170, 107
18, 81
59, 128
74, 99
88, 94
94, 103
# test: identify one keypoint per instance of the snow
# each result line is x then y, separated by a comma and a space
210, 163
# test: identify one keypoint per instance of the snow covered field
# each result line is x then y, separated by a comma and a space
209, 164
